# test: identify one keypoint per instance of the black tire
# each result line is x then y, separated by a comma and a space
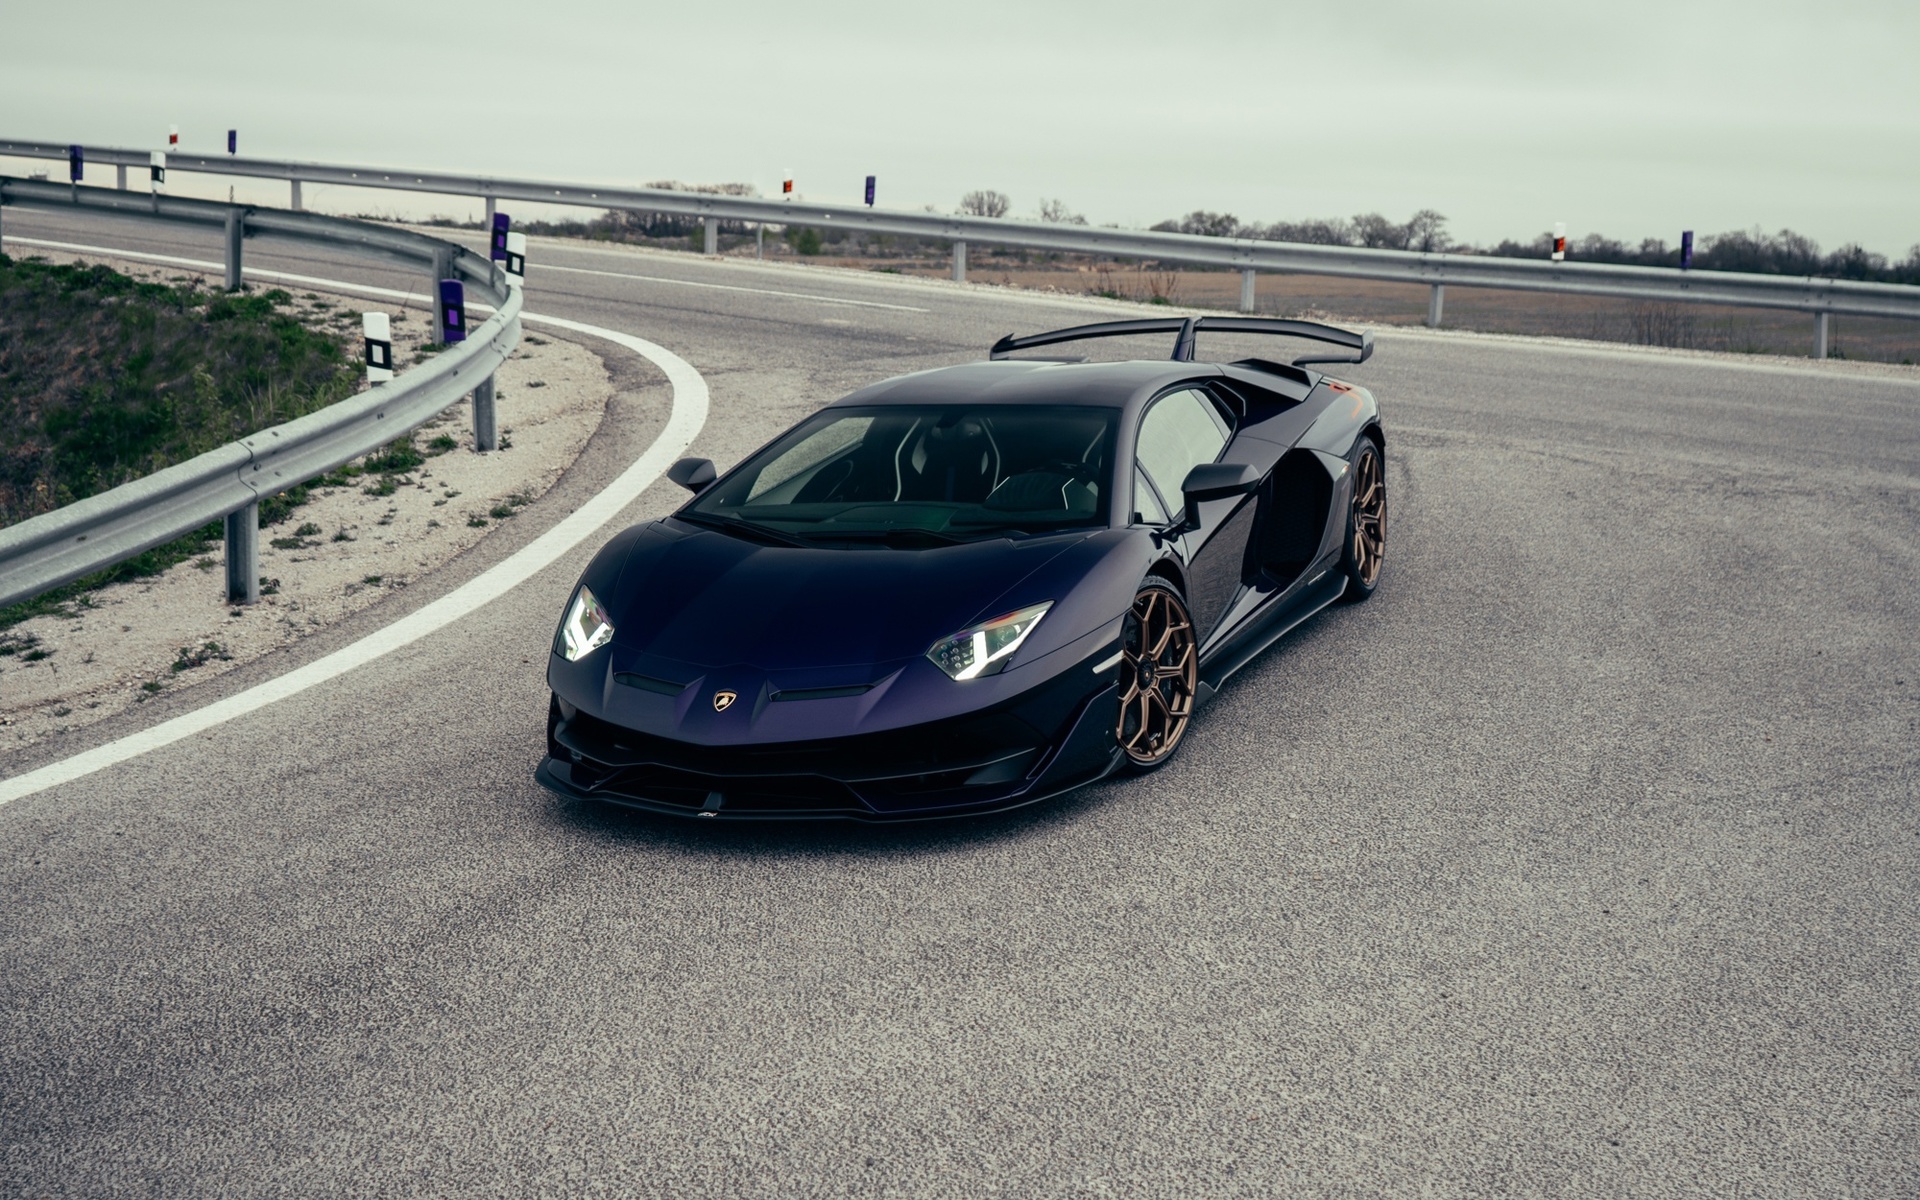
1159, 676
1366, 521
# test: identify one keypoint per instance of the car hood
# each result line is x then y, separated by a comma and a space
708, 599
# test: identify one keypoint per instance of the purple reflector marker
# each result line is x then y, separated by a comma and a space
1686, 249
501, 224
453, 311
869, 191
76, 163
233, 141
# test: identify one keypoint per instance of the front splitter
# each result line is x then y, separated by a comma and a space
556, 777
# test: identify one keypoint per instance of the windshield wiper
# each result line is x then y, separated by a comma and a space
743, 527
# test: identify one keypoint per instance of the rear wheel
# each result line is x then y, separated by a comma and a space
1159, 674
1366, 521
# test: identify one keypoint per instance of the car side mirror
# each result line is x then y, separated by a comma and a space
1217, 481
693, 474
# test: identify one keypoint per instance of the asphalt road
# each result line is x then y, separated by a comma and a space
1581, 861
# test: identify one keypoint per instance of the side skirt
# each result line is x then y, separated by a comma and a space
1264, 629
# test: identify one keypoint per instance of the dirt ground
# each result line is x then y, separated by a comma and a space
347, 548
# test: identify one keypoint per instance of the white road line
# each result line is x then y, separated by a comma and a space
688, 416
726, 287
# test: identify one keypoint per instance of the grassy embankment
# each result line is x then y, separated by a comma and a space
104, 379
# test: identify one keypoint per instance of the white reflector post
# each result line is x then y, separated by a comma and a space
379, 333
1559, 242
157, 169
516, 260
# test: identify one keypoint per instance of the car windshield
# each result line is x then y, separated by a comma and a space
921, 475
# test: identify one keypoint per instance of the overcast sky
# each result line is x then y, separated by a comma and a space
1632, 118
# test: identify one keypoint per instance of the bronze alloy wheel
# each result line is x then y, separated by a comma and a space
1159, 671
1367, 531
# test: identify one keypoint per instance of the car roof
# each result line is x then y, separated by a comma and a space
1016, 381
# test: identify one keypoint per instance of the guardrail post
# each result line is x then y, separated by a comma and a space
243, 555
236, 233
120, 177
759, 241
515, 268
486, 436
296, 195
713, 236
1436, 301
490, 210
959, 262
1246, 290
442, 269
1820, 334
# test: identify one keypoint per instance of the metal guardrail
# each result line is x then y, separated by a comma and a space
1820, 298
228, 483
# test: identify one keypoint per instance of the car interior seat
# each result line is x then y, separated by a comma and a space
955, 463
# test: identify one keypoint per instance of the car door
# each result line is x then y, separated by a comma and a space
1178, 432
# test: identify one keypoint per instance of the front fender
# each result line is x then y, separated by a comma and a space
1091, 586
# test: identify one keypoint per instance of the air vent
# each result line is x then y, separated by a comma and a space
647, 683
826, 693
1270, 367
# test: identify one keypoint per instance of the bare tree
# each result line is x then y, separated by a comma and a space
1321, 233
1057, 212
1205, 224
1427, 231
1378, 233
985, 204
1211, 224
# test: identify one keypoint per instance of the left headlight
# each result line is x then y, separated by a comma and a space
986, 648
587, 626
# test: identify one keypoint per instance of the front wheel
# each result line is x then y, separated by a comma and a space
1366, 521
1159, 675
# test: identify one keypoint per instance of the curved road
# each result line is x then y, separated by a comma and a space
1579, 862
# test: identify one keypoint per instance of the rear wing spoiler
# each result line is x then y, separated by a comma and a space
1187, 327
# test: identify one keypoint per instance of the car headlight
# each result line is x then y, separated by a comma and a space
986, 648
587, 626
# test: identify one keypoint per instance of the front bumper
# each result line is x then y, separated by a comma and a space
1057, 737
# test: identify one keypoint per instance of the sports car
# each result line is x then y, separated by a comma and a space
970, 588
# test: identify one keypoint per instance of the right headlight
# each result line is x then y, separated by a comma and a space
587, 626
985, 648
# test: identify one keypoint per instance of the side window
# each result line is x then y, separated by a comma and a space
1145, 503
1181, 431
